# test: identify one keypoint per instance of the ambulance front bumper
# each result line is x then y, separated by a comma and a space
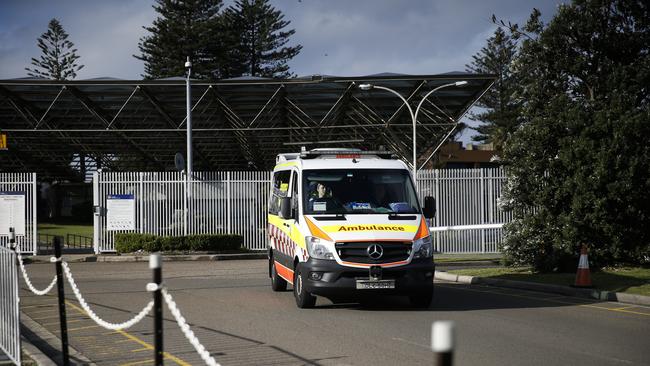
330, 279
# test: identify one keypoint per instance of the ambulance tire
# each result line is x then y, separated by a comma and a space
278, 283
304, 299
422, 299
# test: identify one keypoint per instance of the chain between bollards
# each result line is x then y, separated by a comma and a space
155, 263
59, 286
442, 342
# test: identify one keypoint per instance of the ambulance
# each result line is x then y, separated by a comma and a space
346, 223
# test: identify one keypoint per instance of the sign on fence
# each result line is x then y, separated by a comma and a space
120, 212
12, 212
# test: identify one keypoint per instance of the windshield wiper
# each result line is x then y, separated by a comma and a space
336, 217
398, 216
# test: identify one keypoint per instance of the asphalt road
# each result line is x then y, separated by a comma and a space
241, 322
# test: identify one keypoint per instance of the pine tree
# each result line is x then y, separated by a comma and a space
260, 48
184, 28
58, 60
499, 118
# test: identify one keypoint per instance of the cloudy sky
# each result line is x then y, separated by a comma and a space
339, 37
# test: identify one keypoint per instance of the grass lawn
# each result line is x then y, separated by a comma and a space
57, 229
632, 280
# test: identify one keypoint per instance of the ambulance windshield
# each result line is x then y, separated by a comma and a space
358, 191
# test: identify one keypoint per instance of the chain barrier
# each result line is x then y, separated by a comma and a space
93, 316
29, 283
189, 334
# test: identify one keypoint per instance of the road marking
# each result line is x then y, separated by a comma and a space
137, 363
69, 321
622, 310
82, 328
140, 349
37, 306
135, 339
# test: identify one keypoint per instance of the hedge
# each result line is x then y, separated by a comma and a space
132, 242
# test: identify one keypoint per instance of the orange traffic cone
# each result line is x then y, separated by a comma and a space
583, 276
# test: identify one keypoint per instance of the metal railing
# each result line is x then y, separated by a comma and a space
9, 310
236, 202
78, 241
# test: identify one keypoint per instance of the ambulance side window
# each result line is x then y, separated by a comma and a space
294, 196
279, 189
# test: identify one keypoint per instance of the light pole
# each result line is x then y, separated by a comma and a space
414, 115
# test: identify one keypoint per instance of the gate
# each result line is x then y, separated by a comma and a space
9, 311
172, 204
21, 188
468, 219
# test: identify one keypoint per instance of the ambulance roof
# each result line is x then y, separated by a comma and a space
334, 158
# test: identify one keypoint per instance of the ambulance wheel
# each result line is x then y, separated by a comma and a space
277, 283
304, 299
422, 299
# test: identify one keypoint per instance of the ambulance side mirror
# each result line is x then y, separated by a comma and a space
429, 207
285, 208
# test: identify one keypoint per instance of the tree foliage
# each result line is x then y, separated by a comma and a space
261, 47
247, 38
183, 28
498, 116
579, 165
58, 60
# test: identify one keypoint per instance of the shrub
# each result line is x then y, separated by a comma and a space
132, 242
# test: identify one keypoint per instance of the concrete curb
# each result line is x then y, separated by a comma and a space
542, 287
145, 257
42, 342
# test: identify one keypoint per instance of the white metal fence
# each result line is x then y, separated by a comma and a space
21, 183
217, 203
9, 311
466, 197
235, 202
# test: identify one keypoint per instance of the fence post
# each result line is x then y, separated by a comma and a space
34, 214
59, 286
228, 203
442, 342
155, 263
482, 197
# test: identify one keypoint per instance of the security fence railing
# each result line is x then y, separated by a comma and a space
468, 219
9, 310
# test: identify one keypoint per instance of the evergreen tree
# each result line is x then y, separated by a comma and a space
183, 28
579, 166
58, 60
260, 49
499, 117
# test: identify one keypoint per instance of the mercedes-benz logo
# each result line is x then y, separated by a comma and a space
375, 251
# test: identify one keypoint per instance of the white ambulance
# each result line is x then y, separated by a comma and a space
346, 223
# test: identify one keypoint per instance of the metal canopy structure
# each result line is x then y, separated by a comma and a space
60, 129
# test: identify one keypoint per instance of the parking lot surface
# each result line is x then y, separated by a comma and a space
237, 317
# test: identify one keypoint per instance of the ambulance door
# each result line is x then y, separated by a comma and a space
279, 228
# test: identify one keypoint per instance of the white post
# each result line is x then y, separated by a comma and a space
141, 203
188, 105
228, 203
185, 205
96, 215
34, 215
442, 342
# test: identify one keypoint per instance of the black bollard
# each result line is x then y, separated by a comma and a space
442, 342
155, 263
59, 286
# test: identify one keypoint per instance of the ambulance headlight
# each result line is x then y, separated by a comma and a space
318, 249
423, 248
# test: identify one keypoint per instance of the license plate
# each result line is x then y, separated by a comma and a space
375, 284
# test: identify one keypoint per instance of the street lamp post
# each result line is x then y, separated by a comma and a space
414, 115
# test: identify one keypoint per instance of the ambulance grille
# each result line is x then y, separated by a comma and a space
357, 252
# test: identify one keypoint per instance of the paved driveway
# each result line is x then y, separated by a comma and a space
242, 322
